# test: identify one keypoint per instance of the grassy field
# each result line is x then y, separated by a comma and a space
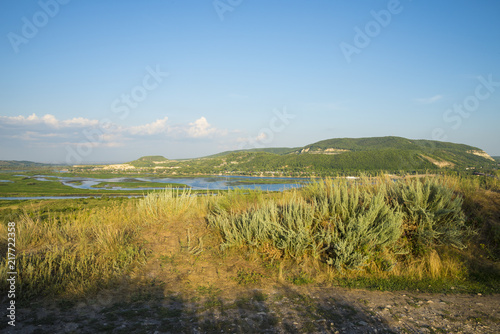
433, 234
413, 234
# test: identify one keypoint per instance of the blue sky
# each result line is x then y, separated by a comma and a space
110, 81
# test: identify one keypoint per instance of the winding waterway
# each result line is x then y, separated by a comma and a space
195, 183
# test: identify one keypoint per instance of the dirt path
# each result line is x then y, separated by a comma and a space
281, 309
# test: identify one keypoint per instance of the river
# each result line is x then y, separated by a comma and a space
195, 183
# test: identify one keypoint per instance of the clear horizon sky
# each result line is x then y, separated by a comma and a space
111, 81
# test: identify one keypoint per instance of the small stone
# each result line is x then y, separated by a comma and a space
430, 302
362, 323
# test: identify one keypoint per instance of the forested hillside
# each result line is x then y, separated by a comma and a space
327, 157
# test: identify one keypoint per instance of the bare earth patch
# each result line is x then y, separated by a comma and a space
280, 309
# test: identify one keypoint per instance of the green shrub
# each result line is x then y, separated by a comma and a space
335, 222
288, 227
357, 222
432, 213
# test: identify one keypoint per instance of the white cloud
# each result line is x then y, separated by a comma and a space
48, 120
158, 126
36, 131
429, 100
201, 128
80, 122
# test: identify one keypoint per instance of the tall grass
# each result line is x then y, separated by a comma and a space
86, 250
77, 253
167, 203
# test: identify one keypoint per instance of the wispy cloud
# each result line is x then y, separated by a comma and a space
429, 100
48, 120
156, 127
48, 130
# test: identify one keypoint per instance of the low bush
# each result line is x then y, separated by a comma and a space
432, 214
334, 222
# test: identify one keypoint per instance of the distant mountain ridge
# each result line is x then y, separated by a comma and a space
326, 157
340, 154
21, 164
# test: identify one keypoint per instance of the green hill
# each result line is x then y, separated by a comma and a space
340, 155
9, 164
399, 151
274, 150
149, 161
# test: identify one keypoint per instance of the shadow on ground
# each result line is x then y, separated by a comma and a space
148, 309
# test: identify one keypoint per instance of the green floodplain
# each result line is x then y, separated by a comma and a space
16, 184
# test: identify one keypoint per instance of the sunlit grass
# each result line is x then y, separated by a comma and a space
369, 232
76, 253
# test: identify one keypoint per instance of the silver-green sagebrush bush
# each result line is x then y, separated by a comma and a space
358, 220
288, 227
432, 214
332, 221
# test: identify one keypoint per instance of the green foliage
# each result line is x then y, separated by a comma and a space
347, 224
432, 212
334, 222
333, 156
289, 227
356, 221
274, 150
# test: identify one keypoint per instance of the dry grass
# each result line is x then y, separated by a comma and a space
77, 253
165, 238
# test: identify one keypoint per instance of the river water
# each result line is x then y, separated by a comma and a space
195, 183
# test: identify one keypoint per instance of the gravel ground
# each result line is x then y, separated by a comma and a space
282, 309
